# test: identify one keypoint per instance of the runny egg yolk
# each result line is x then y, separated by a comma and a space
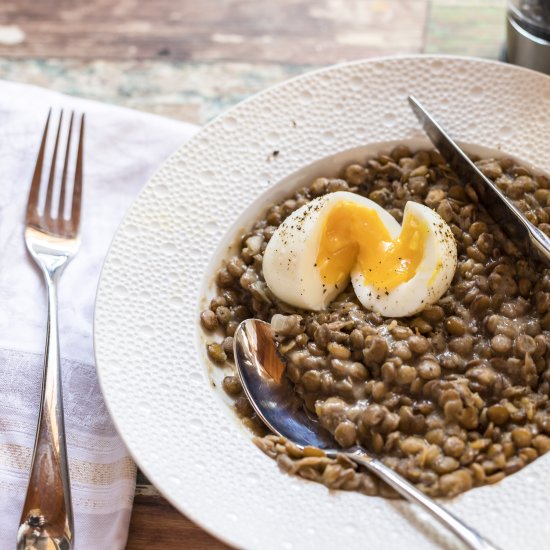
355, 234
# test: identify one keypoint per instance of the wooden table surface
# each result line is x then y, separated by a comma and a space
191, 60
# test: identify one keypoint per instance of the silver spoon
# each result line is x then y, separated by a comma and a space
272, 396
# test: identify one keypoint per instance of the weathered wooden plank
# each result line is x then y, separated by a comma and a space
455, 27
156, 524
192, 92
286, 31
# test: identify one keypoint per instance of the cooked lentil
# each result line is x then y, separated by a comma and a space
453, 398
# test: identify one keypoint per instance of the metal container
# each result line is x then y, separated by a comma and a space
528, 34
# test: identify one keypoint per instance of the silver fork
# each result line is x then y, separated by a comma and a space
52, 240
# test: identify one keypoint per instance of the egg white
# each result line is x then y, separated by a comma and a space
289, 263
432, 278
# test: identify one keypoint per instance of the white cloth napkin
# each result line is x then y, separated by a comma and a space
122, 150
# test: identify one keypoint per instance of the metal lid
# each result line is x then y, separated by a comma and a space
527, 49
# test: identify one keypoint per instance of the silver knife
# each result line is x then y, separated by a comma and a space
526, 236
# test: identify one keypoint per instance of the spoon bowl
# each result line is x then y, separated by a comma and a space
275, 401
262, 375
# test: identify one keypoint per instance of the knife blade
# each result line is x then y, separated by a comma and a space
526, 236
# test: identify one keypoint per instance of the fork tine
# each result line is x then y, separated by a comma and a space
49, 193
34, 193
61, 210
77, 188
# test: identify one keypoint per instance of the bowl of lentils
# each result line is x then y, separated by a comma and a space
452, 398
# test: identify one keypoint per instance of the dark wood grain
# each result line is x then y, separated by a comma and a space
285, 31
157, 525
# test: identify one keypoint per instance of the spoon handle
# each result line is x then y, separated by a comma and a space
468, 535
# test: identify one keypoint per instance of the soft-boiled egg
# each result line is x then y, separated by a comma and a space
414, 270
395, 270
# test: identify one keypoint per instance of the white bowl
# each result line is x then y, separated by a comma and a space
150, 348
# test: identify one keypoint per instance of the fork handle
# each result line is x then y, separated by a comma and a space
407, 490
47, 513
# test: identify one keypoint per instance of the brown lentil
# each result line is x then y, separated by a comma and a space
209, 320
498, 414
501, 343
455, 326
216, 353
521, 437
454, 446
428, 369
231, 385
345, 433
418, 344
541, 443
